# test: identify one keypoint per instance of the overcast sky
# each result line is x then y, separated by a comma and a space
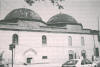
84, 11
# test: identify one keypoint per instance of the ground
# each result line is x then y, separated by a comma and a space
37, 65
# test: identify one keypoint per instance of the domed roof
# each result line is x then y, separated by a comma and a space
22, 13
61, 18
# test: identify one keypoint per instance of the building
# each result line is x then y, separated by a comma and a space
36, 41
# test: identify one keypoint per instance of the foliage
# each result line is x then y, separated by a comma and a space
1, 56
54, 2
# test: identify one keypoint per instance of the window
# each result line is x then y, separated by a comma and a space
44, 39
97, 52
70, 41
15, 39
82, 41
29, 60
44, 57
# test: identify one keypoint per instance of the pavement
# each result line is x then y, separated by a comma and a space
36, 65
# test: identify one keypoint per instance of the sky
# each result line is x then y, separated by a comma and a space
86, 12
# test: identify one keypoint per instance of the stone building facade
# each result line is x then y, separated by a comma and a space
55, 41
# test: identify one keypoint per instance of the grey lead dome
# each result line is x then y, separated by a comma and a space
23, 13
61, 18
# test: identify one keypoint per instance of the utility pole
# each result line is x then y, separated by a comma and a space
98, 30
98, 23
11, 47
12, 57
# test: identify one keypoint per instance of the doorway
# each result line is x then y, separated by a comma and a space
83, 53
97, 52
30, 56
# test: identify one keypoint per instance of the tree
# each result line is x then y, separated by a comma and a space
1, 56
54, 3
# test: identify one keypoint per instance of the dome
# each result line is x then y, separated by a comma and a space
23, 13
62, 18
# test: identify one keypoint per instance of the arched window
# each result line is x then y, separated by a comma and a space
70, 41
15, 39
82, 41
44, 39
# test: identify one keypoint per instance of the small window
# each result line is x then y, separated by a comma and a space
29, 60
15, 39
82, 41
70, 41
44, 39
44, 57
